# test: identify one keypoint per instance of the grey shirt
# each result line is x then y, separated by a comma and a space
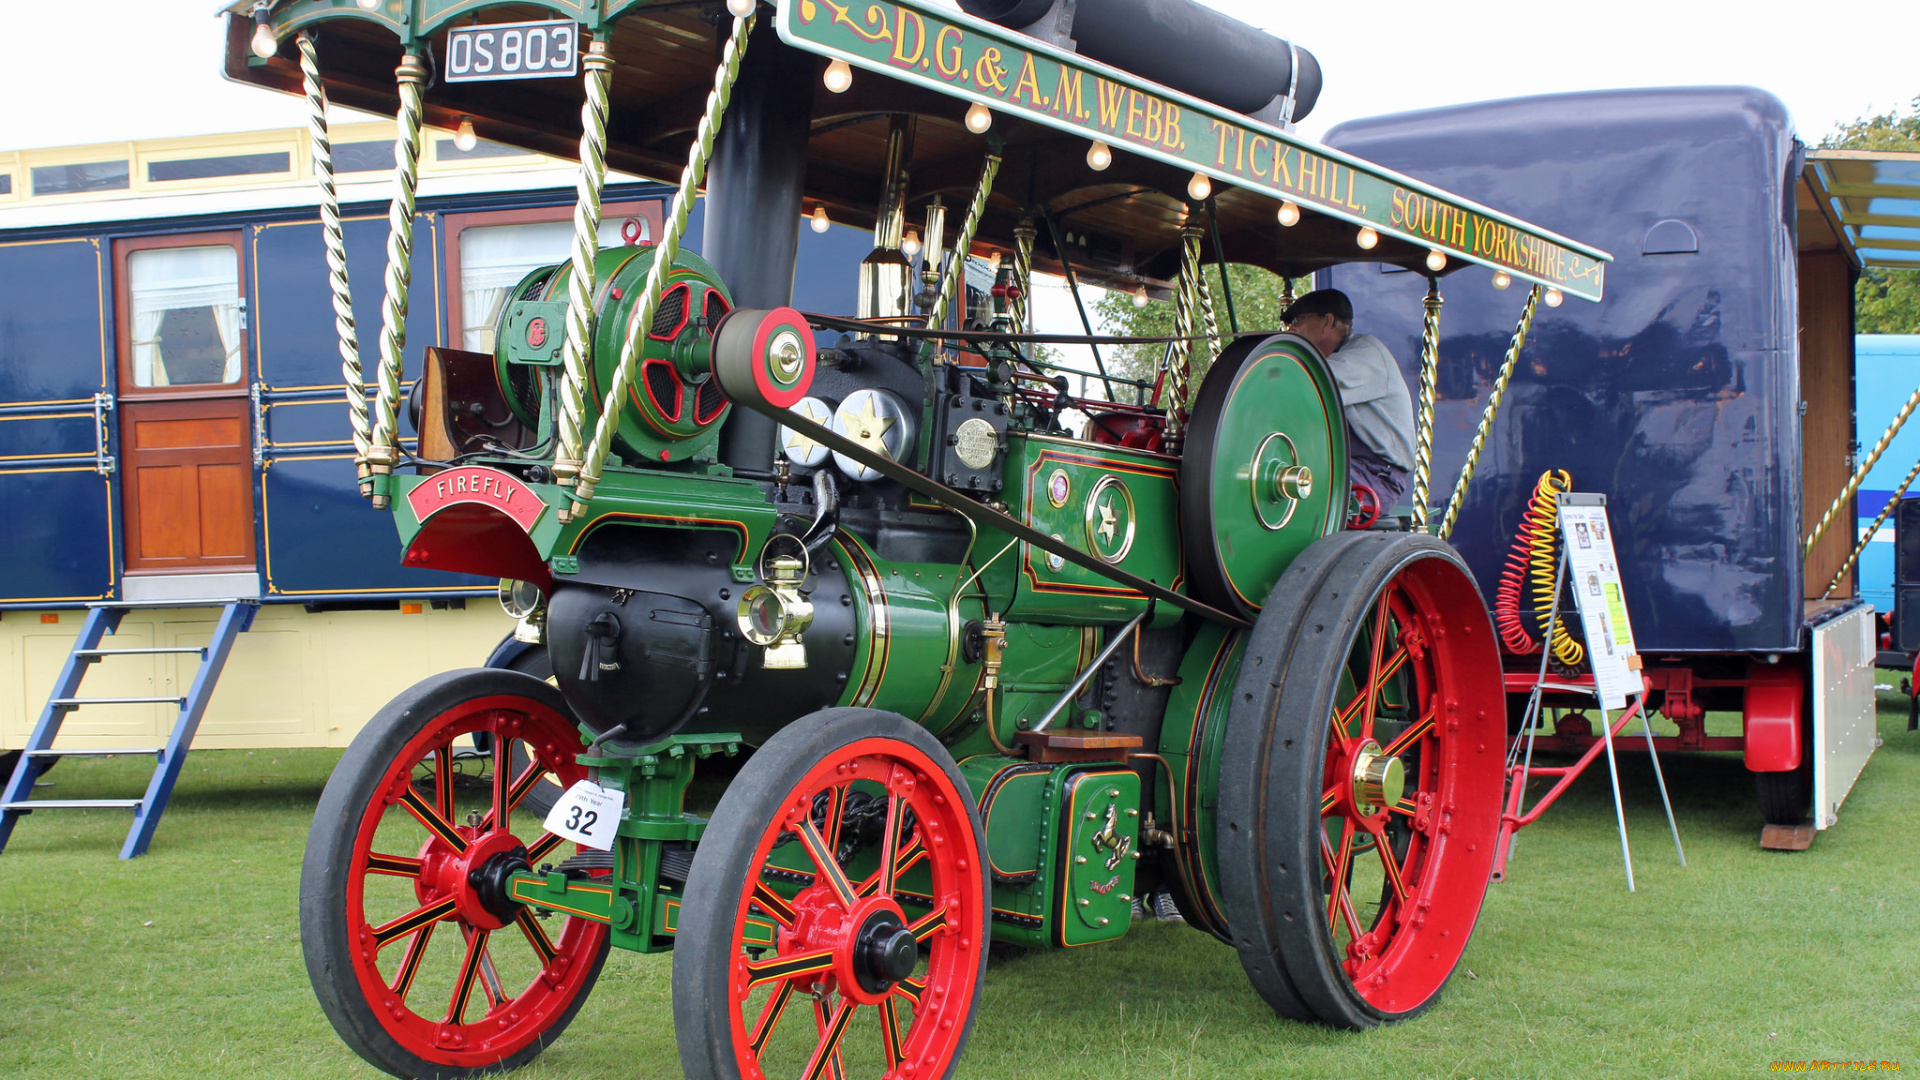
1374, 395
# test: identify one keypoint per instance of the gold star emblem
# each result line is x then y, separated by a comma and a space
869, 428
798, 446
1109, 519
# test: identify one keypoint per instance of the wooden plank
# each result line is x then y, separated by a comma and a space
1826, 429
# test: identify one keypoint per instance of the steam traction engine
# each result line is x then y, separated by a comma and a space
879, 661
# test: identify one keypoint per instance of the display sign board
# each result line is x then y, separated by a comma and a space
968, 58
1845, 730
1595, 576
524, 50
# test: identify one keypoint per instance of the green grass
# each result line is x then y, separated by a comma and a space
186, 963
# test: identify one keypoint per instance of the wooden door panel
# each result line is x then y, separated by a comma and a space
166, 528
190, 500
195, 433
226, 511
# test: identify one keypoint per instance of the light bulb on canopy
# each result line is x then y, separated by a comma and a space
1289, 215
1199, 187
979, 118
1099, 156
910, 244
820, 219
1502, 279
740, 9
1139, 296
1367, 238
1436, 260
838, 77
264, 43
369, 5
463, 136
1554, 297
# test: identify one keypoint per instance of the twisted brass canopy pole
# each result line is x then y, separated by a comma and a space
586, 245
1022, 305
384, 452
664, 254
336, 247
956, 274
1178, 360
1202, 292
1499, 391
1423, 419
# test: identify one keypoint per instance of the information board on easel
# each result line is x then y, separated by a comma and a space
1587, 563
1595, 573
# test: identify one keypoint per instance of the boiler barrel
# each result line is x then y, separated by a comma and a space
1181, 44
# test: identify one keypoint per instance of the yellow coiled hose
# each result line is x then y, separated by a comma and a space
1533, 558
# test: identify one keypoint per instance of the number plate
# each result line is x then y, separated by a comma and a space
528, 50
587, 814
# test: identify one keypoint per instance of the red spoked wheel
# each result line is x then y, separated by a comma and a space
423, 965
1356, 837
835, 920
1366, 508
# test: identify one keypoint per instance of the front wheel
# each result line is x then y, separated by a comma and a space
835, 919
1356, 830
421, 963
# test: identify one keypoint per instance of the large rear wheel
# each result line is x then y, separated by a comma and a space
1357, 829
835, 919
419, 960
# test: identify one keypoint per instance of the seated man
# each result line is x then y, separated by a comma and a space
1373, 394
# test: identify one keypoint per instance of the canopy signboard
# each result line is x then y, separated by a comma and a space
968, 58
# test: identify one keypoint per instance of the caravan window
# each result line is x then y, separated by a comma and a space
186, 315
493, 252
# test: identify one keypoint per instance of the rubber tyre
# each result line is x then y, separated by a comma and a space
1786, 798
327, 872
1270, 832
706, 950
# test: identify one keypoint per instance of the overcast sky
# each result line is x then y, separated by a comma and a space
133, 69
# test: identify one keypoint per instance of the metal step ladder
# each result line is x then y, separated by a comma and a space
236, 616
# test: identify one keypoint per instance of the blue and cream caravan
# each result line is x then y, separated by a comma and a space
175, 460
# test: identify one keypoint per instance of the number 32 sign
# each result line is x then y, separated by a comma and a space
529, 50
587, 814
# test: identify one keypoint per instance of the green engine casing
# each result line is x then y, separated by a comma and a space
673, 408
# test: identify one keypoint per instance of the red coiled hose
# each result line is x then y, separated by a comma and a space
1532, 554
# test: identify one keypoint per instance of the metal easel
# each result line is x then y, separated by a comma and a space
1512, 820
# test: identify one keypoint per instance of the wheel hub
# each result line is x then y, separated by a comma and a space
490, 879
477, 878
1378, 779
884, 952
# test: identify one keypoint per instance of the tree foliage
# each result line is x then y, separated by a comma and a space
1885, 301
1256, 307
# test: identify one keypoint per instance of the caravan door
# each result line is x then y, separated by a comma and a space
185, 424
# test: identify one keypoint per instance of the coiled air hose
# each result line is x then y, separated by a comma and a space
1532, 558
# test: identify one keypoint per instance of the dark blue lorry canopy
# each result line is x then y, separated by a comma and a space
1678, 395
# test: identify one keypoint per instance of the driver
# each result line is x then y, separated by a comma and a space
1373, 393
